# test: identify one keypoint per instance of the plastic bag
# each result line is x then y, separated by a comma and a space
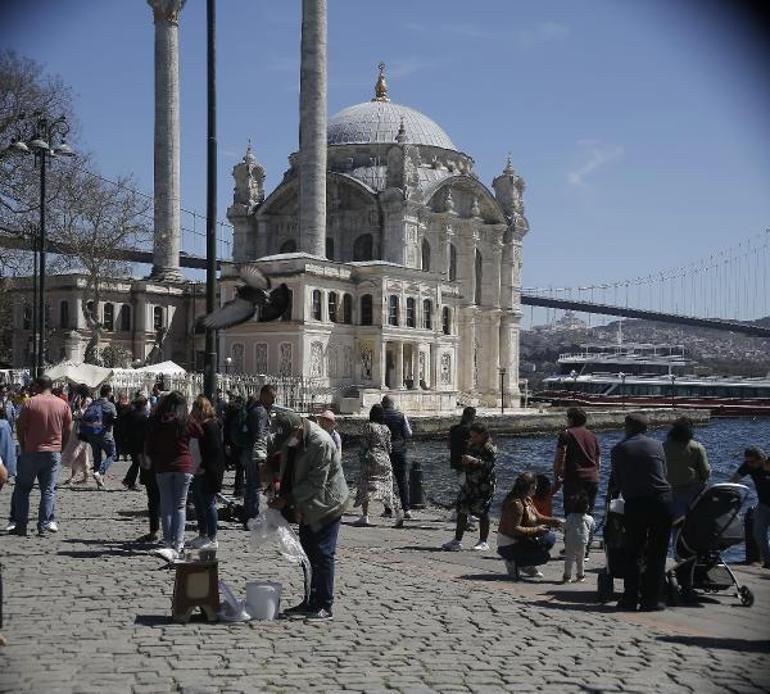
269, 527
231, 609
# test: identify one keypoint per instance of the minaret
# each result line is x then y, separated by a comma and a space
312, 129
165, 254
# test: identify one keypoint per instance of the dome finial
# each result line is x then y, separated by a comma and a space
401, 135
508, 166
249, 156
381, 88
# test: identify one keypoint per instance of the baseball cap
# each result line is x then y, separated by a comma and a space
283, 424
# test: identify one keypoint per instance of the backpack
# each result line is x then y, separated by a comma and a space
91, 421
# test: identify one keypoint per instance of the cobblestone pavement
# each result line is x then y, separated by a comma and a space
86, 610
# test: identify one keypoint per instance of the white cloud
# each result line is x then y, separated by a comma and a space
542, 32
595, 156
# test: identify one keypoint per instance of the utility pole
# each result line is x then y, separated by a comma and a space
210, 367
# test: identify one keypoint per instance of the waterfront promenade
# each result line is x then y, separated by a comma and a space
88, 611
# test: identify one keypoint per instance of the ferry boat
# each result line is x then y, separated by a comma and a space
651, 376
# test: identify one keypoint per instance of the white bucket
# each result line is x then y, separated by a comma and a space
263, 599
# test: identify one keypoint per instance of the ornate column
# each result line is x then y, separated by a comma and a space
491, 357
312, 129
434, 384
509, 356
399, 384
381, 364
165, 260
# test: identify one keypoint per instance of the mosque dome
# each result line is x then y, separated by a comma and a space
379, 120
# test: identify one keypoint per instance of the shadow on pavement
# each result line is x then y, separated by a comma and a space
486, 577
575, 606
153, 620
742, 645
422, 548
120, 550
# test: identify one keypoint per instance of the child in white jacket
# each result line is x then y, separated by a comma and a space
578, 529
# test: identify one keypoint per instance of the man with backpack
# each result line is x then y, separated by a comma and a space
96, 427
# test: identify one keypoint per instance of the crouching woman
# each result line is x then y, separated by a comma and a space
524, 536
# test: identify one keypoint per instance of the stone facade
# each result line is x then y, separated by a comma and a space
410, 225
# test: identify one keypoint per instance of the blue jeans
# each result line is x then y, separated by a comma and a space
98, 444
43, 467
761, 526
529, 551
173, 488
205, 508
251, 491
321, 547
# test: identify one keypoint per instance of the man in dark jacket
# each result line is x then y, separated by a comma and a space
639, 474
400, 433
255, 452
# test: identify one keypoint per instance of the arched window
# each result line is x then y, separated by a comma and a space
125, 318
411, 312
427, 314
289, 246
317, 307
366, 310
425, 256
157, 318
333, 307
452, 262
363, 247
286, 315
478, 273
347, 308
329, 249
109, 317
446, 320
64, 314
393, 310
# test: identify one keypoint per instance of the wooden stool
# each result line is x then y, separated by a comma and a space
196, 585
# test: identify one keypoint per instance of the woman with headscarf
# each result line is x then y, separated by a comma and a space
687, 465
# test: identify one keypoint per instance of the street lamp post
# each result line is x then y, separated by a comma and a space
40, 140
502, 390
574, 376
622, 389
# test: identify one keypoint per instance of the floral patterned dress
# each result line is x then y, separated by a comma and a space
478, 491
375, 481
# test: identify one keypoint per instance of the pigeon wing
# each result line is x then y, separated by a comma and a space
254, 277
233, 312
278, 301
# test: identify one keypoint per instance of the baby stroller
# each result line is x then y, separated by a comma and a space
616, 558
711, 525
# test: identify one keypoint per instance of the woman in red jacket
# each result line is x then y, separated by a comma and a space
168, 447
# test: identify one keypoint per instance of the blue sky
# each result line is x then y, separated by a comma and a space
640, 128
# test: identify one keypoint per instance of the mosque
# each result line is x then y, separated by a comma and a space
418, 293
404, 268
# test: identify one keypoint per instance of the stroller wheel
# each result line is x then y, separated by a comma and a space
604, 586
746, 596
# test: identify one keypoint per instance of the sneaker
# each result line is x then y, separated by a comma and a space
481, 546
408, 515
566, 579
10, 527
167, 553
98, 480
21, 532
580, 579
452, 546
149, 537
321, 615
301, 610
362, 522
196, 542
530, 571
52, 526
209, 544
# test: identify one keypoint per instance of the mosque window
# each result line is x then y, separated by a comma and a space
109, 317
125, 318
446, 320
366, 309
452, 262
157, 318
329, 249
427, 314
425, 256
333, 307
317, 307
411, 313
363, 247
393, 310
478, 267
64, 314
347, 308
286, 315
289, 246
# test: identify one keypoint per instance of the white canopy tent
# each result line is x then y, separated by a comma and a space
164, 368
75, 372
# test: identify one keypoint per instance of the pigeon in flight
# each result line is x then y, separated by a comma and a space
255, 295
